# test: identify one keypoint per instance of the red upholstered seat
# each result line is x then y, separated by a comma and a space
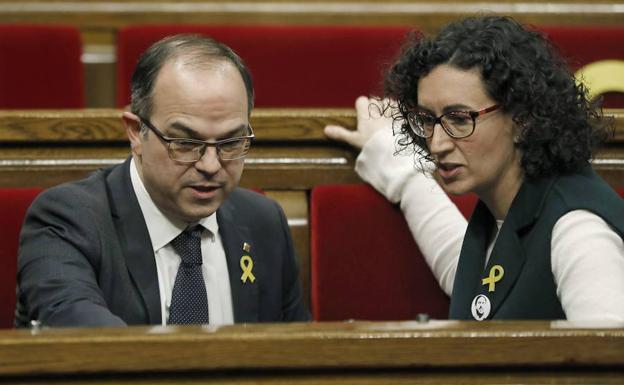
364, 261
292, 66
40, 67
14, 202
582, 45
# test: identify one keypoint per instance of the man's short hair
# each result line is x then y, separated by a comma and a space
195, 50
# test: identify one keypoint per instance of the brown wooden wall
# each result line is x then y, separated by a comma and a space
99, 20
290, 152
290, 156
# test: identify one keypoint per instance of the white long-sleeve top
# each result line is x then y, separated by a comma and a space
587, 256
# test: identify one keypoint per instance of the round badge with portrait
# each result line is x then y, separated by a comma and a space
480, 307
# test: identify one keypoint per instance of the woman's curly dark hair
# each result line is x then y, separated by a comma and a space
523, 72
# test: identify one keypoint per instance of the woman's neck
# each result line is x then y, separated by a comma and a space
498, 199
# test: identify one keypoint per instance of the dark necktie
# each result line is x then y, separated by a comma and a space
189, 303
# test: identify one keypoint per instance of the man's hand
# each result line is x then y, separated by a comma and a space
372, 115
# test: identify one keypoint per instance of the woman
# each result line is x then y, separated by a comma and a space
489, 108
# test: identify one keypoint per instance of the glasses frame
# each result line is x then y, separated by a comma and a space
205, 144
438, 120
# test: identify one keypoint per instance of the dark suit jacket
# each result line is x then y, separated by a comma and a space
86, 258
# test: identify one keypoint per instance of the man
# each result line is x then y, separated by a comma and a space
480, 307
166, 237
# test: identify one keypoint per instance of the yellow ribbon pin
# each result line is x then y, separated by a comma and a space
246, 264
496, 274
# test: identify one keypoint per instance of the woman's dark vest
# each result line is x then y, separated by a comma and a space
526, 289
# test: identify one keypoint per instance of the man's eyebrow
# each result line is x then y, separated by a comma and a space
182, 129
235, 132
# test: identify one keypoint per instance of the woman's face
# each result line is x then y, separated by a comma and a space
486, 162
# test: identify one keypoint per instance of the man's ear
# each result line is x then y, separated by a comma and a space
133, 130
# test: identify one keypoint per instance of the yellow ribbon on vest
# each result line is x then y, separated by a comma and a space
246, 264
496, 274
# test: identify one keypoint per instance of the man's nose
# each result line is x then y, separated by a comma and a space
209, 161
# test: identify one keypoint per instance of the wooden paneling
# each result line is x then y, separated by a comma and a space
432, 352
101, 125
44, 148
291, 151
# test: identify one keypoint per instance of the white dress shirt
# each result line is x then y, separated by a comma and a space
587, 256
162, 231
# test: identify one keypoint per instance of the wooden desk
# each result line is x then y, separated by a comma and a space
434, 352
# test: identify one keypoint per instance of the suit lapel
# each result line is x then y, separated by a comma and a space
135, 240
470, 265
509, 251
508, 255
245, 295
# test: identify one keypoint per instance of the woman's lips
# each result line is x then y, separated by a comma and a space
448, 170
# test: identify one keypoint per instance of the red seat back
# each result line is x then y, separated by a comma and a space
582, 45
40, 67
14, 203
292, 66
364, 261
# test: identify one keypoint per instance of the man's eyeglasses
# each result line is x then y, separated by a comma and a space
457, 124
191, 150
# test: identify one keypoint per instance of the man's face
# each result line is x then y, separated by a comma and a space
207, 103
480, 305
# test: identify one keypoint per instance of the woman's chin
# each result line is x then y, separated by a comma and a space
455, 187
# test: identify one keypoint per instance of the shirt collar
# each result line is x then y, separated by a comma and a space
161, 229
